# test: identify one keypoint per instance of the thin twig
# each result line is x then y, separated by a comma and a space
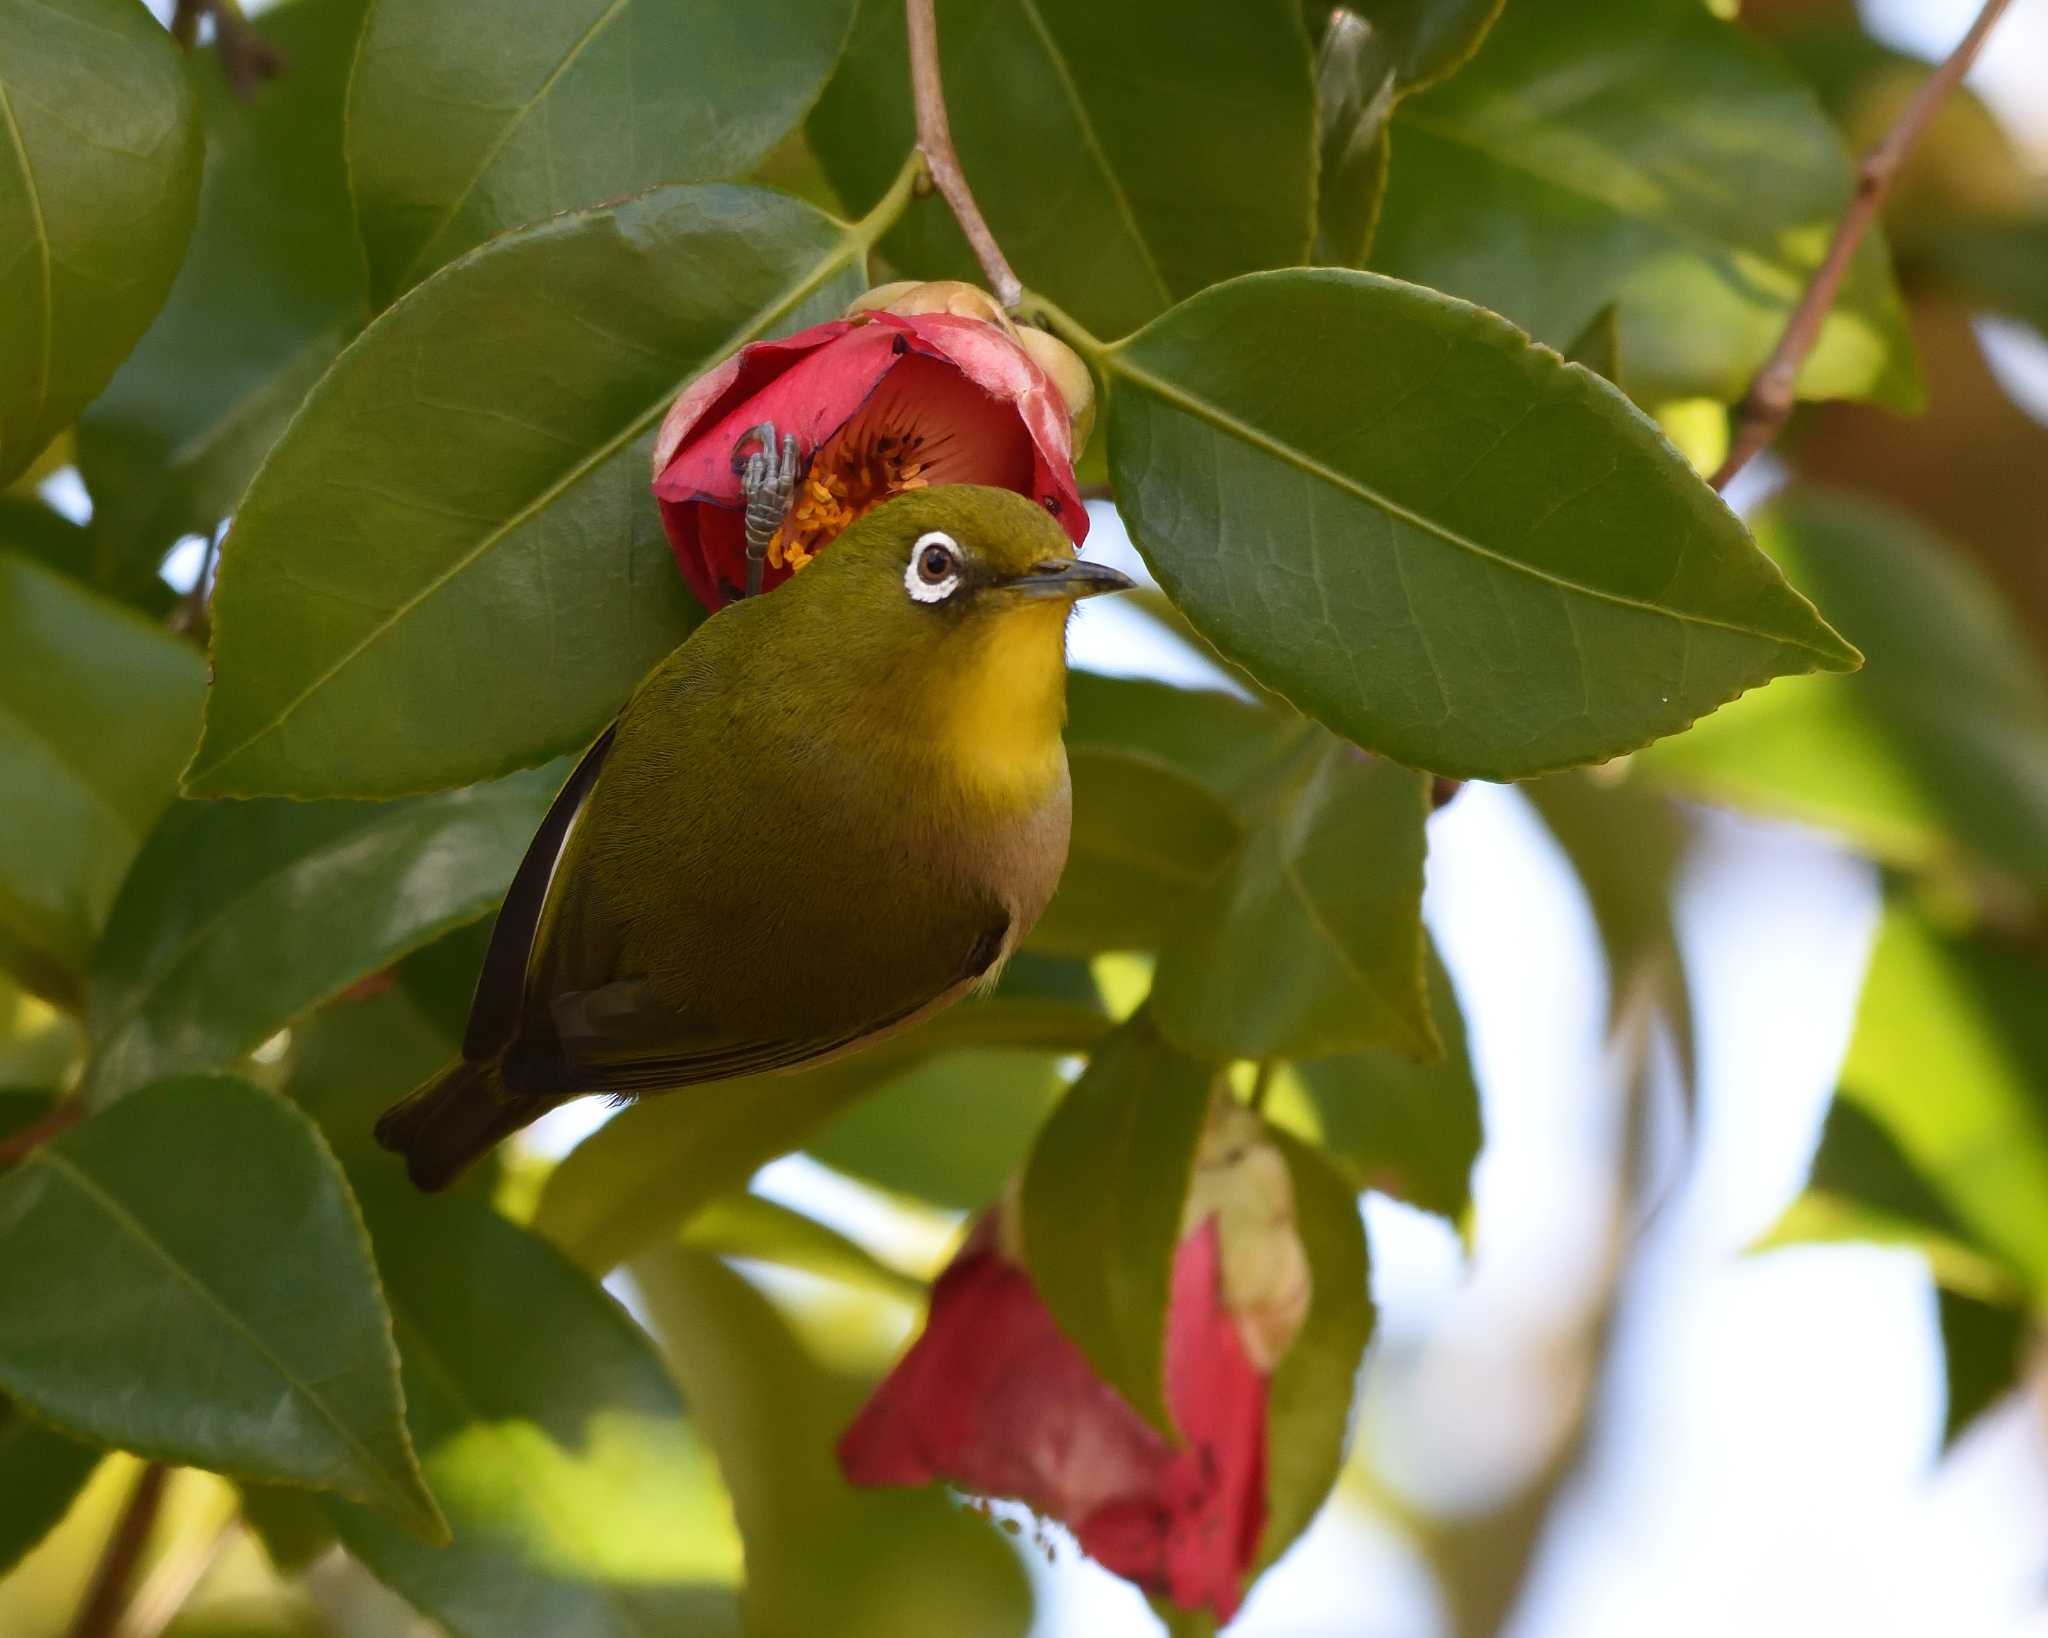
17, 1147
106, 1596
1262, 1083
935, 142
192, 614
1768, 403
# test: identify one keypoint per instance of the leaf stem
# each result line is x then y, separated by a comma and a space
870, 228
935, 142
1765, 408
106, 1595
1262, 1083
66, 1115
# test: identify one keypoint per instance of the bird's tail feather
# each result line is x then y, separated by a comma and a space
452, 1121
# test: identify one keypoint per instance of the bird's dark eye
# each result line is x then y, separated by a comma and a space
933, 573
935, 563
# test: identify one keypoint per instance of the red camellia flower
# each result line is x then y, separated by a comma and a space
994, 1396
918, 384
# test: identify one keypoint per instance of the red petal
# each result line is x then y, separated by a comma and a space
740, 376
996, 364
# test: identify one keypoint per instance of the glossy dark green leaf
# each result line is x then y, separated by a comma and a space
99, 174
1408, 1129
293, 1527
272, 287
1125, 155
185, 1227
1310, 941
1144, 836
1646, 152
450, 567
467, 117
580, 1498
1308, 1408
821, 1557
41, 1473
1442, 541
1937, 749
240, 916
646, 1172
97, 710
950, 1131
1102, 1201
2000, 262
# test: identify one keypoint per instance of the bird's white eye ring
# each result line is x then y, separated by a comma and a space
933, 573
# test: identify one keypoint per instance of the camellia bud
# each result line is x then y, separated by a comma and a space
918, 384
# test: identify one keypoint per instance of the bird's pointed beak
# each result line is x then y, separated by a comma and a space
1069, 577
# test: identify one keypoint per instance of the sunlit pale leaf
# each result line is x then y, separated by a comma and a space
580, 1498
240, 916
821, 1556
97, 710
1125, 155
1937, 751
1648, 153
1445, 543
183, 1228
450, 567
99, 175
467, 117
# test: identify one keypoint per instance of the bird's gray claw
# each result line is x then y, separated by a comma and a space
767, 482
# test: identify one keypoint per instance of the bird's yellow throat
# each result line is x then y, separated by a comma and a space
1001, 731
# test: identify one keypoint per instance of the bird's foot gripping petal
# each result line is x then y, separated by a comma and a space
767, 482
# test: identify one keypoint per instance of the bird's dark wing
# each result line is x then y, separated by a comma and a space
620, 1039
494, 1012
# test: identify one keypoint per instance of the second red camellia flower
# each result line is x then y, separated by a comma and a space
917, 384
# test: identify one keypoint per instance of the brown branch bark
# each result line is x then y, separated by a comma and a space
942, 163
246, 57
1768, 404
106, 1596
64, 1116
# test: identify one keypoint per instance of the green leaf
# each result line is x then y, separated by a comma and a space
1950, 1039
1356, 82
1423, 40
821, 1557
580, 1498
1144, 835
185, 1228
1102, 1201
99, 174
1627, 846
1407, 1129
1440, 540
1226, 745
240, 916
1124, 156
1983, 1350
41, 1473
293, 1527
1645, 152
97, 710
450, 567
467, 117
1308, 1408
646, 1172
951, 1131
1938, 749
272, 287
1310, 942
1598, 346
1995, 261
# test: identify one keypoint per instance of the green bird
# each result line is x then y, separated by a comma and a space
824, 817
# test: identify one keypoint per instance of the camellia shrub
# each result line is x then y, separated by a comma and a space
1412, 342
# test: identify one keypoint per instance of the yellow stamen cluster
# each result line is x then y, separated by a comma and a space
849, 477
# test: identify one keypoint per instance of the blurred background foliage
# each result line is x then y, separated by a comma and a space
627, 1345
